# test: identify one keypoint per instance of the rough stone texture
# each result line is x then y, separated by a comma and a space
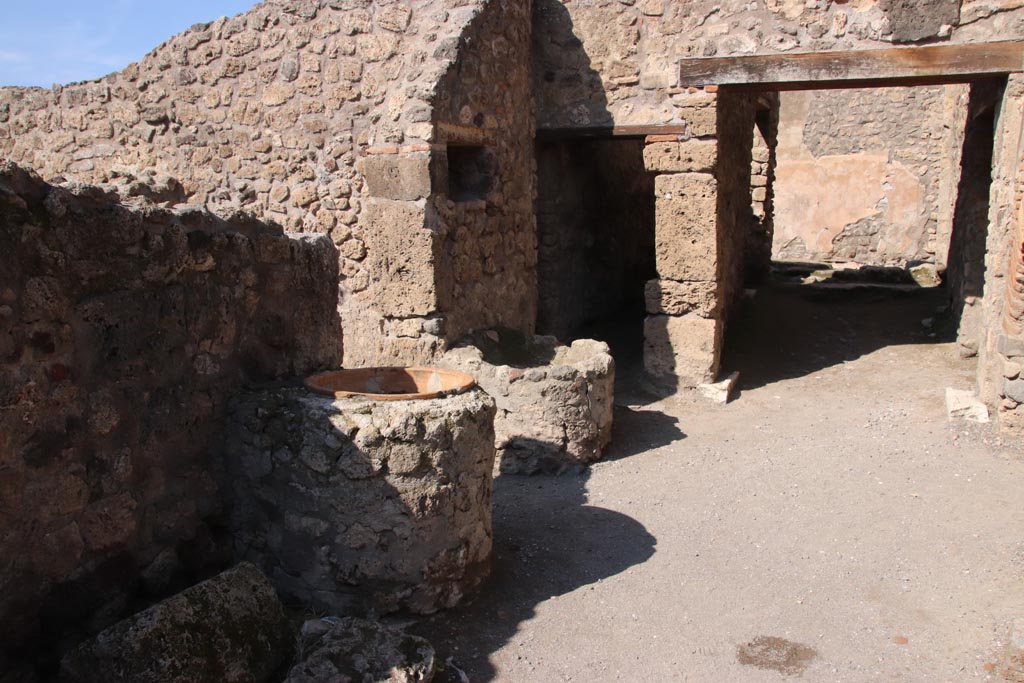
554, 401
353, 650
679, 298
228, 629
595, 225
340, 500
123, 330
966, 262
915, 20
682, 351
686, 239
605, 62
735, 219
763, 174
487, 253
890, 159
1003, 305
681, 156
307, 113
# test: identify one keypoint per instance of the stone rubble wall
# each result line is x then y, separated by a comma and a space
344, 502
965, 273
1001, 356
551, 416
868, 176
123, 331
763, 167
486, 271
600, 62
326, 117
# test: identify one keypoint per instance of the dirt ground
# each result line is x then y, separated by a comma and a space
830, 524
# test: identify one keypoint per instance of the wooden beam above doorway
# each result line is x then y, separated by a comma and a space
904, 66
557, 134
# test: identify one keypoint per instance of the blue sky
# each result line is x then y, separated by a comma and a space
61, 41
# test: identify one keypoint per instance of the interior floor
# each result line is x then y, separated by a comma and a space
830, 523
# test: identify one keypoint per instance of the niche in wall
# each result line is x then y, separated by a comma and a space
472, 172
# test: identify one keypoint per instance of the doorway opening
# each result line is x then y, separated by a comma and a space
595, 225
879, 211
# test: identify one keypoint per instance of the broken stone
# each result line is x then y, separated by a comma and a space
355, 650
926, 275
721, 391
964, 404
230, 628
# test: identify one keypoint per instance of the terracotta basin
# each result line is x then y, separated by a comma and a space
390, 384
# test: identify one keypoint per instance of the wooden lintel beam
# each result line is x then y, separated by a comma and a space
929, 65
611, 131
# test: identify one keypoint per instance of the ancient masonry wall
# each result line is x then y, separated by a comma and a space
607, 61
484, 210
762, 187
1001, 356
270, 112
965, 273
123, 331
702, 237
890, 160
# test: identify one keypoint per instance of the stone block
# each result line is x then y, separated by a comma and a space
669, 297
230, 628
397, 176
686, 244
400, 258
721, 391
702, 117
1011, 346
1014, 389
350, 649
680, 157
681, 352
915, 20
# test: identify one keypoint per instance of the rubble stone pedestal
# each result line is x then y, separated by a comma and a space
554, 402
340, 500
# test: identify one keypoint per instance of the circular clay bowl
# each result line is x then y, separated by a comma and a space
390, 384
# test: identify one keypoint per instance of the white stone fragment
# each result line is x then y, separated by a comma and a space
721, 391
964, 404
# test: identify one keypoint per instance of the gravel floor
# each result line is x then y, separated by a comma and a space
829, 524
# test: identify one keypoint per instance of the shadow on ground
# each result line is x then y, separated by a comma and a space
548, 542
635, 431
788, 332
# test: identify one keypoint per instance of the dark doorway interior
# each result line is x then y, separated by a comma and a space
595, 223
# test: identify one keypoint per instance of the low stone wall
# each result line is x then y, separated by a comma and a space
339, 500
123, 330
554, 402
